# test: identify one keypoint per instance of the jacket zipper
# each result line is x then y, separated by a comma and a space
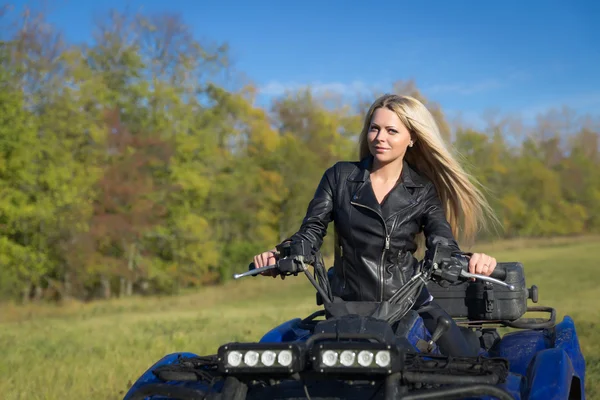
387, 241
343, 266
381, 267
386, 247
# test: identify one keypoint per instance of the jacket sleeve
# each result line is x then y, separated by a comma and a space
435, 225
319, 213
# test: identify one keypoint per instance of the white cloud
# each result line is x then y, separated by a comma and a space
582, 103
583, 111
276, 88
464, 88
469, 88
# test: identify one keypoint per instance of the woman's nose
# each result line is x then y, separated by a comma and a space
382, 135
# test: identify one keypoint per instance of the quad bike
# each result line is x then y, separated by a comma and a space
362, 350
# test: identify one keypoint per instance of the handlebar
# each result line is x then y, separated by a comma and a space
253, 271
446, 264
452, 266
499, 272
291, 257
286, 266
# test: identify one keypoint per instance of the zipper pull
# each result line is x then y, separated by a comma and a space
387, 242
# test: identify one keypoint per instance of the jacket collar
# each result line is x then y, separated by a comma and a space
409, 177
399, 197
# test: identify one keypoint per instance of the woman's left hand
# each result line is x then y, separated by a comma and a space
482, 264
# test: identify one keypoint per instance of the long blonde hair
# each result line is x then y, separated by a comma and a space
465, 206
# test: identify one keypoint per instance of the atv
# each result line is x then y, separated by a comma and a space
382, 350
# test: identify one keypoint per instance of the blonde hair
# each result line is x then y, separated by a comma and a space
464, 204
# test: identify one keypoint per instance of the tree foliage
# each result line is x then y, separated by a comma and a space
125, 167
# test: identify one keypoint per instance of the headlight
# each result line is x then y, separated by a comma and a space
234, 358
251, 358
356, 357
285, 358
260, 357
268, 358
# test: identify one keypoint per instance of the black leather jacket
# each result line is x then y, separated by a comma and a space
374, 244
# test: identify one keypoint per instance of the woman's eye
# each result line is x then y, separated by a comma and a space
392, 131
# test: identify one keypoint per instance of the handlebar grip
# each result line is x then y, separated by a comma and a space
499, 272
251, 267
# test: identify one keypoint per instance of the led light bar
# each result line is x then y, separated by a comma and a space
348, 357
260, 357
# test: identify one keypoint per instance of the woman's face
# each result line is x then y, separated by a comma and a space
387, 136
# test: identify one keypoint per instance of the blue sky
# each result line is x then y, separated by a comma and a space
470, 56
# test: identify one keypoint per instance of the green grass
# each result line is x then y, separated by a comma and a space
95, 351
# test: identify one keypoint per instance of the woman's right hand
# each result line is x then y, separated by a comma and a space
265, 259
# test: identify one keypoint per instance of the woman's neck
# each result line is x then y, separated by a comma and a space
387, 172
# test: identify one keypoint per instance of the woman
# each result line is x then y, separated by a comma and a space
406, 183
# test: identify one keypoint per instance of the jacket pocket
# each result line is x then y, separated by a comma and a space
343, 267
338, 280
402, 268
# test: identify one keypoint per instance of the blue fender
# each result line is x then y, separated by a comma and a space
149, 378
565, 338
289, 331
550, 360
549, 376
519, 348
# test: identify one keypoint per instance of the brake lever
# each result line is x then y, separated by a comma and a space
466, 274
255, 271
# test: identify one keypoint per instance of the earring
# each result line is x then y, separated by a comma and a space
410, 144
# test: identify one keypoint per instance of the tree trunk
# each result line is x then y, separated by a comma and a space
68, 287
25, 296
37, 293
105, 287
130, 266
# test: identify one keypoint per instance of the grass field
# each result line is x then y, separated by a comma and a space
94, 351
